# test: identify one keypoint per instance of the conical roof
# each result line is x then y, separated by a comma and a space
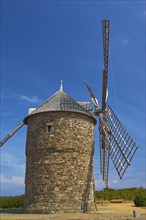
60, 101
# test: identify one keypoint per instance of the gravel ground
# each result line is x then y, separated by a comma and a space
108, 211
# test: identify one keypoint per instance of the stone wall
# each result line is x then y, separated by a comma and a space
59, 163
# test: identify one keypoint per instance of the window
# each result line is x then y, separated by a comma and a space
49, 128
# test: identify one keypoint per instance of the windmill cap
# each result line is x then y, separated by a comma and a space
60, 101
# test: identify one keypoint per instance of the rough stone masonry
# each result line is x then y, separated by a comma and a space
59, 162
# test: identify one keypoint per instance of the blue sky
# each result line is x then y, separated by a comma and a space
43, 42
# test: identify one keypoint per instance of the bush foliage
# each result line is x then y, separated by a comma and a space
125, 194
140, 200
7, 202
138, 195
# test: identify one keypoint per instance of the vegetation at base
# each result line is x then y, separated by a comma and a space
138, 195
140, 200
125, 194
7, 202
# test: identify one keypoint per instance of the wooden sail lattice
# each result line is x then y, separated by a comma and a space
118, 145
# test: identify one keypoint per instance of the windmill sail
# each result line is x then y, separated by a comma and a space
104, 151
104, 90
105, 31
121, 146
115, 142
104, 143
12, 133
16, 128
94, 100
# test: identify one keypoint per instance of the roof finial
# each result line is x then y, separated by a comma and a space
61, 85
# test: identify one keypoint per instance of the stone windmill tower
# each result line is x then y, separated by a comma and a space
59, 156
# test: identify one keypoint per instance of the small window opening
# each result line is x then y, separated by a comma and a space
49, 128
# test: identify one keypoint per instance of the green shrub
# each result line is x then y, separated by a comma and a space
125, 194
140, 200
11, 202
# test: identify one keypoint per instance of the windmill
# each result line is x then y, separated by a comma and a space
115, 142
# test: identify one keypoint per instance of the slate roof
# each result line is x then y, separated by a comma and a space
60, 101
